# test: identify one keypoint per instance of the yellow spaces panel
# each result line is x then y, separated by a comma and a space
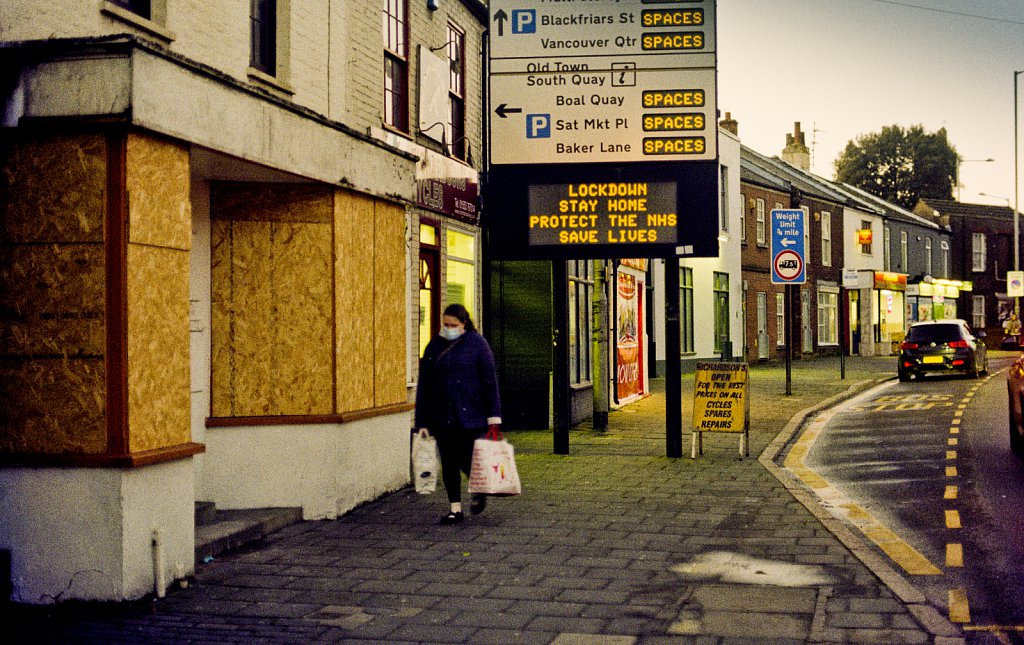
303, 353
354, 278
389, 304
157, 180
158, 348
53, 188
252, 331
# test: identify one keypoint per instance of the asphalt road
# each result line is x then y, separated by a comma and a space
929, 461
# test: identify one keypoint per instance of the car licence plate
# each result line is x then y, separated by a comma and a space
931, 359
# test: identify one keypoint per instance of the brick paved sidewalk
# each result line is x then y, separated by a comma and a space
612, 544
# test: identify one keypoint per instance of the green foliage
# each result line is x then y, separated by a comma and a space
900, 165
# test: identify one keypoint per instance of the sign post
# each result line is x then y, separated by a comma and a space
788, 267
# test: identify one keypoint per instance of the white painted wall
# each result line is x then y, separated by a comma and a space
728, 261
326, 469
855, 259
87, 533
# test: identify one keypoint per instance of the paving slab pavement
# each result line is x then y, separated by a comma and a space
613, 544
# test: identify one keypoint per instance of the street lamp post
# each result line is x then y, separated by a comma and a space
1016, 190
960, 162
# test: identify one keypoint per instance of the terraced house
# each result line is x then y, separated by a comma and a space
226, 229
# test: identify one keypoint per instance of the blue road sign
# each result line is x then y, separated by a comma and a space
788, 265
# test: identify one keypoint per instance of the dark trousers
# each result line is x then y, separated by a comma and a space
455, 446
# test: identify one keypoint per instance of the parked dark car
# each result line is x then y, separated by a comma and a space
1015, 390
942, 346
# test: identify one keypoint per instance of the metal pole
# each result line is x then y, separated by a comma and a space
844, 329
1016, 190
673, 367
789, 338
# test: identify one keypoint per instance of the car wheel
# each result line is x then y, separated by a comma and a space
984, 366
1016, 440
973, 373
904, 376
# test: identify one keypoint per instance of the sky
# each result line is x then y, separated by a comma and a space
845, 68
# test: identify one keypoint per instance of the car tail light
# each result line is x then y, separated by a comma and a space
959, 344
958, 361
907, 364
908, 345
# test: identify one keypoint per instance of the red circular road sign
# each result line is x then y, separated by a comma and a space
788, 265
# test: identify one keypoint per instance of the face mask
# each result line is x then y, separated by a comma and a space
451, 333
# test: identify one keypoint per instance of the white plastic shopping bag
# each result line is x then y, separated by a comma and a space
424, 462
494, 466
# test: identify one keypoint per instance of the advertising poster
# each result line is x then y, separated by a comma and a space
629, 330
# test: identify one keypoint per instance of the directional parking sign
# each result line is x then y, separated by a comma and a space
788, 265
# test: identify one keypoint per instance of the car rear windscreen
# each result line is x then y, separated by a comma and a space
934, 334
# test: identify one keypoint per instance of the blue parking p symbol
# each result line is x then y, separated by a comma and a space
538, 126
524, 21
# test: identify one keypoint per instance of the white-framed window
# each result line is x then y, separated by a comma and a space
762, 225
687, 344
927, 255
886, 249
828, 315
457, 91
581, 297
723, 197
904, 251
780, 319
944, 251
978, 312
396, 64
826, 239
865, 225
978, 252
460, 281
743, 220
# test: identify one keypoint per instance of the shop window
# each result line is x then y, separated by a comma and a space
686, 345
721, 295
396, 64
461, 269
581, 295
828, 317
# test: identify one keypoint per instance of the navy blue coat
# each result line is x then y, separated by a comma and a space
458, 384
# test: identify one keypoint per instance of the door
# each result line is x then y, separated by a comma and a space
762, 325
854, 304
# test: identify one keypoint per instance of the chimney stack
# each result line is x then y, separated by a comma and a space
730, 124
796, 152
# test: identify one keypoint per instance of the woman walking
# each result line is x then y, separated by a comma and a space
457, 400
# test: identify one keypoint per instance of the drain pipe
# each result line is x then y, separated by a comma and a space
158, 564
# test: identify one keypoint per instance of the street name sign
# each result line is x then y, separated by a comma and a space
788, 266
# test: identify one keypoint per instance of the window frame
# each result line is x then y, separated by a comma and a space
977, 312
762, 221
395, 30
887, 248
581, 299
866, 225
978, 252
904, 252
944, 252
826, 238
456, 49
928, 254
687, 342
722, 317
263, 37
780, 319
828, 316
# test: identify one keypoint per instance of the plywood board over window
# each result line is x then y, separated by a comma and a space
160, 219
52, 196
272, 318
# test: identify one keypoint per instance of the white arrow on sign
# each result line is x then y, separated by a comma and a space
787, 242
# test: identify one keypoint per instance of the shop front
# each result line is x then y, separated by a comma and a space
934, 299
888, 313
